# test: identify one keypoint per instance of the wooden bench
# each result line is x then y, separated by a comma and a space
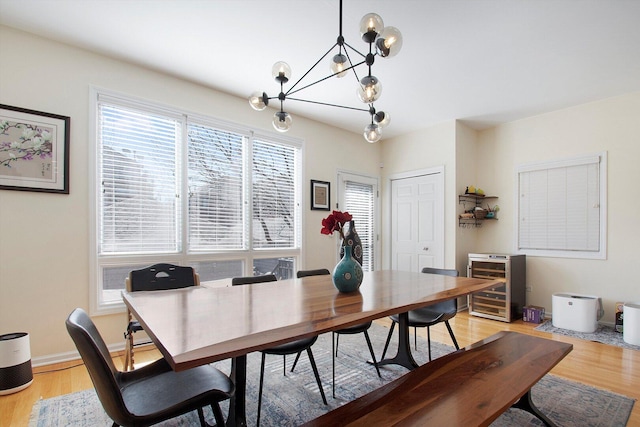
470, 387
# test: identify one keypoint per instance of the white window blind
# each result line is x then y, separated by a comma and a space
274, 195
560, 208
359, 199
139, 178
216, 211
188, 190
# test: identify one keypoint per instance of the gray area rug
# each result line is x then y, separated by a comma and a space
604, 334
294, 399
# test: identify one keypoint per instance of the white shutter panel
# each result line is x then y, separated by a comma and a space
359, 202
139, 181
559, 208
216, 218
274, 195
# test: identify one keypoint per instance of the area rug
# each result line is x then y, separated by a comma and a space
566, 403
604, 334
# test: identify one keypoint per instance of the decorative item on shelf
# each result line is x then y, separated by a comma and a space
479, 213
383, 41
492, 212
347, 274
473, 191
352, 239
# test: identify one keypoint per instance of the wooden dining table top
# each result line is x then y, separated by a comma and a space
203, 324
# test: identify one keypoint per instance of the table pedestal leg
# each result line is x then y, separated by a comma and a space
526, 404
237, 404
404, 356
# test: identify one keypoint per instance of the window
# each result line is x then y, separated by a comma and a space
562, 208
189, 190
359, 197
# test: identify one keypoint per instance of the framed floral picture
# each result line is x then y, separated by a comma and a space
34, 150
320, 195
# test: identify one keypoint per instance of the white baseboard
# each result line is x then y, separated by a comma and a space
67, 356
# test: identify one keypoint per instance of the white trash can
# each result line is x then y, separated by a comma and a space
576, 312
631, 331
15, 363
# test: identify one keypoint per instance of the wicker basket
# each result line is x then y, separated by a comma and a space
480, 213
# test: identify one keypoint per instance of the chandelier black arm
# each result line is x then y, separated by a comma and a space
356, 50
353, 67
327, 104
291, 91
309, 70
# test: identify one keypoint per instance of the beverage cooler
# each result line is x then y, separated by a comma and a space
505, 301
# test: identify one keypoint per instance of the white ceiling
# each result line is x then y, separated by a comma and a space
481, 61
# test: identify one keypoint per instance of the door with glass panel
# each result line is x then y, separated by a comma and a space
358, 195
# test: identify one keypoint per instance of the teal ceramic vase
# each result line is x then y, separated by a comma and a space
352, 239
347, 275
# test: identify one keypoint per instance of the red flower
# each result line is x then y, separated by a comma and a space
335, 222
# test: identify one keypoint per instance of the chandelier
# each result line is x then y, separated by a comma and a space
383, 41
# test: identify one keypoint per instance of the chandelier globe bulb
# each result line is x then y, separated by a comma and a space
371, 25
338, 65
369, 89
372, 133
382, 119
281, 71
389, 42
282, 121
258, 100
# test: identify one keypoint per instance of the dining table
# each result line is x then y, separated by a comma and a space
198, 325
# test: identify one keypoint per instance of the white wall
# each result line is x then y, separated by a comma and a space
488, 159
611, 125
44, 238
425, 149
467, 171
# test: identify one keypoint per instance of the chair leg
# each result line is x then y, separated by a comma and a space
386, 345
317, 375
373, 356
333, 365
415, 338
337, 343
217, 414
128, 351
131, 360
260, 388
126, 354
203, 423
295, 362
453, 337
429, 342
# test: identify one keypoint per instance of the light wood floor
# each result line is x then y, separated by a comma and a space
596, 364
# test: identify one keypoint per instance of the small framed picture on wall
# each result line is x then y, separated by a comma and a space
320, 195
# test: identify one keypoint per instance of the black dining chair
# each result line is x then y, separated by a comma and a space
360, 328
152, 393
293, 347
153, 278
430, 315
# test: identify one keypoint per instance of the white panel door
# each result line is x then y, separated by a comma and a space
417, 222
